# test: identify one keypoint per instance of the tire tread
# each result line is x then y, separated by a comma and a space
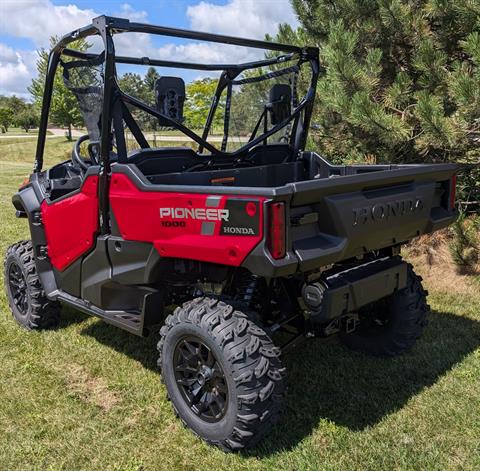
409, 316
254, 361
43, 313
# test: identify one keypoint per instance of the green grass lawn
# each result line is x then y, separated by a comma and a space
18, 131
21, 132
88, 396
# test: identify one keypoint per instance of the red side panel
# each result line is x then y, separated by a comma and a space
206, 227
71, 223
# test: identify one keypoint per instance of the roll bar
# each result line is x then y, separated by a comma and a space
106, 27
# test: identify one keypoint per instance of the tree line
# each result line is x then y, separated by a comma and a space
199, 98
65, 112
17, 112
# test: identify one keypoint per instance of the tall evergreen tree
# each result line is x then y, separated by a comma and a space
401, 82
150, 78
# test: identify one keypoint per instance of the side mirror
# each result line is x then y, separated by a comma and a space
280, 103
169, 98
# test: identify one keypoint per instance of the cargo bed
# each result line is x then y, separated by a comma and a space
333, 212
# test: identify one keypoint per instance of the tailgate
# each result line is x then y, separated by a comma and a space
341, 217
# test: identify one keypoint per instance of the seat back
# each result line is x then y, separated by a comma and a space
162, 160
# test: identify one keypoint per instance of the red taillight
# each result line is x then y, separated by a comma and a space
453, 191
251, 209
276, 230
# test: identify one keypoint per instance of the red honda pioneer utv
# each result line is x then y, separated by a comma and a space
236, 241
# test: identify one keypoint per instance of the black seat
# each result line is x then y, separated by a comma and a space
161, 160
270, 154
174, 160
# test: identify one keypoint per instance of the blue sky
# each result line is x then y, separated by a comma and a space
26, 26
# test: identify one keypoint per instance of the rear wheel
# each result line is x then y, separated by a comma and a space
391, 326
26, 297
222, 372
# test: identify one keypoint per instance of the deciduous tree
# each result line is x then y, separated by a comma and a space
197, 105
6, 117
28, 118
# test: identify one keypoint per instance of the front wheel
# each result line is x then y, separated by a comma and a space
391, 326
26, 297
222, 372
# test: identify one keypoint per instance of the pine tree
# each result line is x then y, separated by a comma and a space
401, 82
64, 110
150, 79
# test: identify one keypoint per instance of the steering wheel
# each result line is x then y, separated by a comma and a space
78, 159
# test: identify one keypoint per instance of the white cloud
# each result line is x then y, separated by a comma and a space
16, 71
7, 54
246, 18
203, 52
129, 44
38, 20
134, 45
127, 11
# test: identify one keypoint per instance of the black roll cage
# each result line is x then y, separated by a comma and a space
106, 27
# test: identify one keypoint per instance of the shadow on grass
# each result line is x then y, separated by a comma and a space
71, 316
327, 381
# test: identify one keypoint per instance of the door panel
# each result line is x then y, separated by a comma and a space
71, 224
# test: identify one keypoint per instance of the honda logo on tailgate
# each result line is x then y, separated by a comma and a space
384, 211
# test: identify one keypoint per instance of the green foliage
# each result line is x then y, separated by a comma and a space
142, 88
134, 85
16, 111
197, 104
28, 118
465, 247
64, 110
198, 101
6, 118
402, 80
16, 104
